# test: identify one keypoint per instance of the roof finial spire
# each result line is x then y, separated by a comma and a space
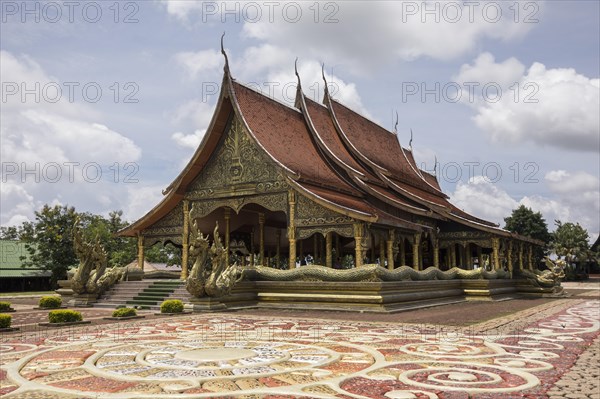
435, 166
296, 70
323, 75
396, 124
411, 137
226, 67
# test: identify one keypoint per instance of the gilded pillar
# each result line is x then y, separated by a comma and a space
372, 252
261, 232
530, 257
416, 249
301, 245
359, 235
469, 256
328, 249
509, 256
402, 252
227, 216
521, 256
185, 240
381, 253
479, 256
495, 253
316, 248
140, 248
452, 255
252, 247
278, 247
390, 249
436, 253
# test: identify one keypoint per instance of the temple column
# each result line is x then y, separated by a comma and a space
372, 251
338, 247
140, 248
530, 257
495, 254
292, 230
479, 256
402, 252
390, 249
509, 256
436, 253
521, 256
381, 252
416, 247
252, 248
261, 232
301, 251
328, 249
227, 216
359, 232
315, 247
185, 240
469, 256
452, 255
278, 247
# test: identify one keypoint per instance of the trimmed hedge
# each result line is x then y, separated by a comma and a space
4, 306
64, 316
50, 302
124, 312
5, 320
171, 306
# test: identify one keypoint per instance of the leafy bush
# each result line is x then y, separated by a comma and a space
5, 320
124, 312
171, 306
50, 302
64, 316
4, 306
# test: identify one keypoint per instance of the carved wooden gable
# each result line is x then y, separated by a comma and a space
237, 167
168, 228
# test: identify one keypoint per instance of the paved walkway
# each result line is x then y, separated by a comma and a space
545, 351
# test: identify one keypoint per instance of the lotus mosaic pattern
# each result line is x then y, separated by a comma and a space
225, 355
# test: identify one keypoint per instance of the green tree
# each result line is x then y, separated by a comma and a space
120, 250
49, 240
526, 222
570, 241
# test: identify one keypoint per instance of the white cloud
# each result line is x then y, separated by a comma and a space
396, 29
189, 140
555, 107
575, 198
483, 199
53, 151
200, 62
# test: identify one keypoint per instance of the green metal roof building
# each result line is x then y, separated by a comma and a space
13, 276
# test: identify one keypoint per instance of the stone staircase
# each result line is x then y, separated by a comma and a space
148, 294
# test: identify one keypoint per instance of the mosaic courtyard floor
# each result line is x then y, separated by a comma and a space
529, 354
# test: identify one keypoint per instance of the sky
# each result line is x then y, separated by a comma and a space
104, 102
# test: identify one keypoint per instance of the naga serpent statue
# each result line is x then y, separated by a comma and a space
210, 275
91, 276
547, 278
366, 273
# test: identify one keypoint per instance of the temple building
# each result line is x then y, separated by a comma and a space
317, 181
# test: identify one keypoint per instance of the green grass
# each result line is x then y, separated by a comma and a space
5, 294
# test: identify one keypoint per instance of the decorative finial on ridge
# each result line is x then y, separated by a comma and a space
226, 67
296, 70
411, 138
435, 166
396, 124
323, 75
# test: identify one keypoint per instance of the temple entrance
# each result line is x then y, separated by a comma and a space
255, 235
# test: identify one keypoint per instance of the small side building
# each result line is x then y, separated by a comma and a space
16, 278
